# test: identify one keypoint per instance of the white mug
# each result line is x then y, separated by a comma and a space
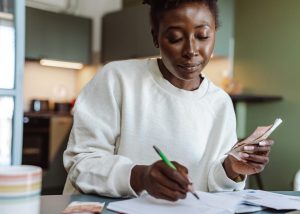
20, 188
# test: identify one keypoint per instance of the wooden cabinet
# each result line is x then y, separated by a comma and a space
57, 36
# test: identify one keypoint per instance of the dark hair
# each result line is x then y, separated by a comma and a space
158, 7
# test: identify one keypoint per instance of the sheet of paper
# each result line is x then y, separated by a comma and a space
242, 207
208, 203
244, 201
261, 133
265, 199
272, 200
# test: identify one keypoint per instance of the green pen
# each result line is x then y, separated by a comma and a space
170, 164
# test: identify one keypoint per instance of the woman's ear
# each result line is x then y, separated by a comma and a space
154, 38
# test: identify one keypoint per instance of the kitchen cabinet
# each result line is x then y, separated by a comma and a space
127, 34
57, 36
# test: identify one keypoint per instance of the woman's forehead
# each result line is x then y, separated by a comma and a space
192, 13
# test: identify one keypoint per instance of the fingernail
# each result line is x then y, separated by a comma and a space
248, 148
262, 143
244, 155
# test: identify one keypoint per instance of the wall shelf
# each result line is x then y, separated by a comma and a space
255, 98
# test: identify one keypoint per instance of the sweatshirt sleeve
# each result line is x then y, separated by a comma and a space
90, 159
217, 178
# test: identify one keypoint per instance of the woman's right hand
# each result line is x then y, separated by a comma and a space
160, 180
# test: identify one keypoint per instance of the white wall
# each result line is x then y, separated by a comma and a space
54, 84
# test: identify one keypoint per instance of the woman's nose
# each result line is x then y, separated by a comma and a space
190, 49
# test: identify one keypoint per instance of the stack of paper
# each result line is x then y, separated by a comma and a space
213, 203
258, 200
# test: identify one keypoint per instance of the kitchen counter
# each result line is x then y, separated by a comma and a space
240, 102
47, 114
255, 98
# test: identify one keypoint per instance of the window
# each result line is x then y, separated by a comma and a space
7, 54
12, 36
6, 118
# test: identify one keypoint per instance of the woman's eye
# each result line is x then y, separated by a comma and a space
201, 37
175, 40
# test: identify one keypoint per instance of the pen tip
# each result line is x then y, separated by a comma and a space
196, 196
156, 149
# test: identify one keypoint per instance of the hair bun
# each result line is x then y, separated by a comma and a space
161, 3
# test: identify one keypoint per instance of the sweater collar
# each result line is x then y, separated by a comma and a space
166, 85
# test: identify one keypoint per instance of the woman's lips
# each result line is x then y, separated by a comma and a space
190, 67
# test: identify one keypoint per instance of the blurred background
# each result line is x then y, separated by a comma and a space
49, 49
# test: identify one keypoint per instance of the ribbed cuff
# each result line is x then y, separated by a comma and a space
124, 186
220, 182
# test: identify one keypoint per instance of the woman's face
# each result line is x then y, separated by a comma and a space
186, 38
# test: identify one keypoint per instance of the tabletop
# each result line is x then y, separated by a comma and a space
55, 204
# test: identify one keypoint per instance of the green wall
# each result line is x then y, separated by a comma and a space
267, 61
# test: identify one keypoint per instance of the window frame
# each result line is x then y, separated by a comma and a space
17, 91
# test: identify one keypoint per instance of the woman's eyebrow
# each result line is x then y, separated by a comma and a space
170, 28
178, 27
202, 26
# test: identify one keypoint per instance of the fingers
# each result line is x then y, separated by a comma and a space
165, 193
259, 159
170, 183
267, 142
253, 163
178, 176
257, 149
166, 183
256, 167
264, 147
160, 191
253, 157
182, 169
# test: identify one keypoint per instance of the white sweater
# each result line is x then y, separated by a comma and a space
126, 109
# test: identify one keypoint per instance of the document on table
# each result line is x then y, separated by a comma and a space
271, 200
209, 203
244, 201
265, 199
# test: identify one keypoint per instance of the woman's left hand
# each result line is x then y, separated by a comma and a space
254, 158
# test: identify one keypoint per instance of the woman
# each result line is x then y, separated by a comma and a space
132, 105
